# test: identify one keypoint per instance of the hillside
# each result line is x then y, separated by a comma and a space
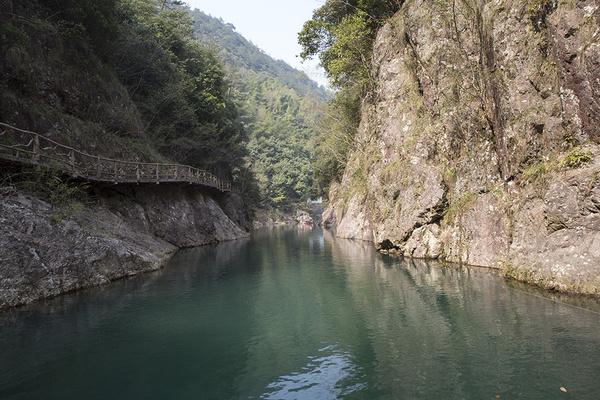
240, 54
121, 79
279, 107
118, 78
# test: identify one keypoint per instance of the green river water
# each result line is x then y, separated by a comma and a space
298, 314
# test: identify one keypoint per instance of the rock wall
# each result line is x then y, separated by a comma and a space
479, 143
46, 250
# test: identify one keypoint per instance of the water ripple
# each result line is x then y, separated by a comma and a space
325, 376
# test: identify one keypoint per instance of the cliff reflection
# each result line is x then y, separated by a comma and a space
425, 320
296, 313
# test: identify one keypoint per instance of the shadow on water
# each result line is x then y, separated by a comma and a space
297, 314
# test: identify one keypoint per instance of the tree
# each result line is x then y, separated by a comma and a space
180, 87
96, 17
341, 33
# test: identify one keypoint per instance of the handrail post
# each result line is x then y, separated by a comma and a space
73, 161
137, 171
157, 181
36, 149
98, 161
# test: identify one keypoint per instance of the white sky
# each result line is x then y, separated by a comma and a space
272, 25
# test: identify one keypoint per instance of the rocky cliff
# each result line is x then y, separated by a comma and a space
68, 71
479, 142
48, 249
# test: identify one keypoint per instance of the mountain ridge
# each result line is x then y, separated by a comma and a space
214, 30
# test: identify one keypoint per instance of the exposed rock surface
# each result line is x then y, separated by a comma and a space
480, 141
46, 250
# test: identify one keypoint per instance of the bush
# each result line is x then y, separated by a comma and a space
576, 157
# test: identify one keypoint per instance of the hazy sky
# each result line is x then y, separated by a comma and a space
272, 25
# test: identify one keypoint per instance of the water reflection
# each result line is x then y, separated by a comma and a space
466, 329
298, 314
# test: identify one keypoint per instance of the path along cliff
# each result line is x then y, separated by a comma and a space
479, 141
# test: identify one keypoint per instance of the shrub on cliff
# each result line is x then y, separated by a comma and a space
341, 33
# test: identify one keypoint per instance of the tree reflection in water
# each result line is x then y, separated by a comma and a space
294, 313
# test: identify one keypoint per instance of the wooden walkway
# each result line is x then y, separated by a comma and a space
26, 147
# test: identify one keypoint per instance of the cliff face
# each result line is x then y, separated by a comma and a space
479, 143
46, 250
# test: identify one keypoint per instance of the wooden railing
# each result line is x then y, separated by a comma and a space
19, 145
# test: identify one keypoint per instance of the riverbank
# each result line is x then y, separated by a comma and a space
49, 247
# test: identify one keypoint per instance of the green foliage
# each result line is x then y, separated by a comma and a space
279, 107
245, 59
95, 20
576, 157
280, 144
179, 86
105, 73
337, 131
348, 60
459, 204
244, 180
54, 75
342, 33
66, 195
535, 172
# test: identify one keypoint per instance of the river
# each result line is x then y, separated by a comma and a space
297, 314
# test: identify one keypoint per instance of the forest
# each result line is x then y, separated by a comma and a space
153, 80
341, 35
194, 90
279, 106
177, 85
